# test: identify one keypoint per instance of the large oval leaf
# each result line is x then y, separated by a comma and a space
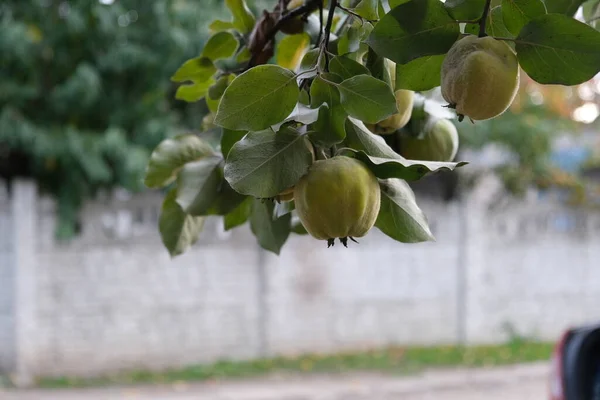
516, 13
465, 10
265, 163
557, 49
198, 185
171, 155
567, 7
271, 233
400, 167
258, 98
178, 230
421, 74
220, 45
414, 29
367, 98
399, 215
346, 67
494, 26
382, 159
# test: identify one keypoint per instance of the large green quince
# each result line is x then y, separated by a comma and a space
338, 198
480, 77
439, 142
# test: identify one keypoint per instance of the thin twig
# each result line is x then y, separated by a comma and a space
325, 44
483, 19
354, 14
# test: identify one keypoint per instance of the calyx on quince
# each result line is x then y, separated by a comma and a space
480, 77
338, 198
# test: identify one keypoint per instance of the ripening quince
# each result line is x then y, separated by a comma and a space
286, 195
439, 143
480, 77
337, 198
404, 101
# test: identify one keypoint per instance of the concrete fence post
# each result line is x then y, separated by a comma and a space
23, 207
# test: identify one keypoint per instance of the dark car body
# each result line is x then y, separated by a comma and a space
575, 373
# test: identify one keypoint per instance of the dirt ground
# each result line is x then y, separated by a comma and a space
521, 382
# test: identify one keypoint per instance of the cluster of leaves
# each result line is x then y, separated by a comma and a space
84, 91
317, 93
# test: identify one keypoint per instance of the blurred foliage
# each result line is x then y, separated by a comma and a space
539, 115
396, 360
85, 91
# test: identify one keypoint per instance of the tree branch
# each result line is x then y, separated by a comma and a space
483, 19
305, 9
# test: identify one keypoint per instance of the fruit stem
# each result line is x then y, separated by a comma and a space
483, 19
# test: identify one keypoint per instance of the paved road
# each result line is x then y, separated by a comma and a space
524, 382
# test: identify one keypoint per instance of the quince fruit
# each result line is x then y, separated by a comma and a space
480, 77
338, 198
439, 143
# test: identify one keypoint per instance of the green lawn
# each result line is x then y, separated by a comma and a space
395, 360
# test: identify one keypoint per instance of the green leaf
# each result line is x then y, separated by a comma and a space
291, 50
400, 167
414, 29
367, 98
220, 45
226, 200
271, 234
309, 62
258, 98
283, 208
465, 10
229, 138
346, 68
178, 230
517, 13
567, 7
399, 215
197, 70
171, 155
379, 67
360, 138
494, 26
329, 129
324, 90
368, 9
243, 19
265, 163
218, 25
395, 3
193, 92
557, 49
301, 114
239, 215
591, 13
421, 74
215, 92
198, 185
349, 42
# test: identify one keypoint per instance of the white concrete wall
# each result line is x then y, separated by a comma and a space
112, 298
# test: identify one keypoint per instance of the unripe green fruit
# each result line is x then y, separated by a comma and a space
404, 101
439, 143
337, 198
480, 77
286, 195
